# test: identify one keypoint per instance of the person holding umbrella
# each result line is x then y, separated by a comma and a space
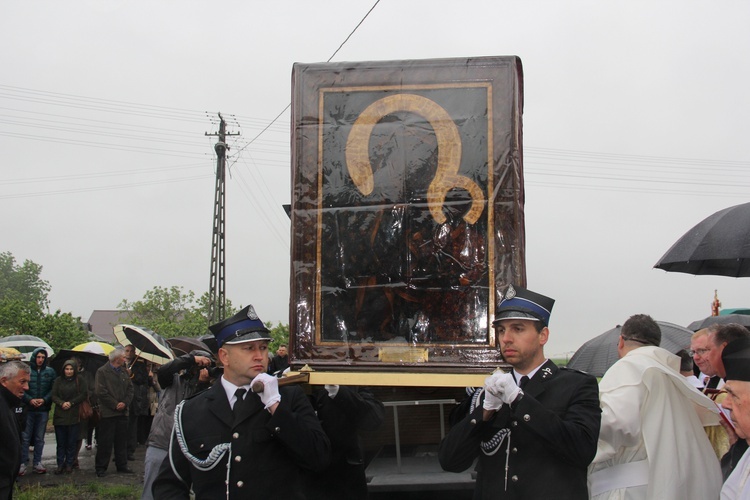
139, 376
233, 442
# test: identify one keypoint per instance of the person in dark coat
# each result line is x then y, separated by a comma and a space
86, 427
231, 443
68, 392
344, 412
139, 406
536, 440
114, 391
280, 362
14, 381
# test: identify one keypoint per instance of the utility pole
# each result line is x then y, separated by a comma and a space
217, 298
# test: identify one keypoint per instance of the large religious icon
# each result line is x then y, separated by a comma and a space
407, 210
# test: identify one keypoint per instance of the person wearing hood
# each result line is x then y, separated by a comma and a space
68, 392
39, 400
14, 381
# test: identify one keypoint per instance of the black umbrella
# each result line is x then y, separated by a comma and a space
210, 341
718, 245
91, 361
148, 344
741, 319
598, 354
183, 345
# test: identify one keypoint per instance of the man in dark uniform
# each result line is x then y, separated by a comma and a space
231, 442
534, 430
344, 412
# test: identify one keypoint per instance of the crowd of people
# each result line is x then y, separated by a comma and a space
658, 425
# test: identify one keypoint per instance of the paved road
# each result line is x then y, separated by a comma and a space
86, 474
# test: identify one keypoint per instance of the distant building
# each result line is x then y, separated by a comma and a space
101, 323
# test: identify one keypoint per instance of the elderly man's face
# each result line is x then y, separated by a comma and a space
738, 403
129, 352
17, 385
700, 349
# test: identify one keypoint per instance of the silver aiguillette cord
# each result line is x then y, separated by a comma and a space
507, 461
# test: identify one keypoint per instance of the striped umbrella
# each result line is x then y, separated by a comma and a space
95, 347
148, 345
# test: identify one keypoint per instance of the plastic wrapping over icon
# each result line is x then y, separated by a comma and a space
407, 211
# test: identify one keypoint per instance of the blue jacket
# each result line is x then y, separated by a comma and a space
40, 383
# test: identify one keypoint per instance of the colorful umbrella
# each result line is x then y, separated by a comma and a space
95, 347
148, 345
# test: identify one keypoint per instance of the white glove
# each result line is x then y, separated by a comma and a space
491, 402
503, 386
332, 390
270, 393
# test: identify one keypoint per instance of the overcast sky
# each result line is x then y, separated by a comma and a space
635, 129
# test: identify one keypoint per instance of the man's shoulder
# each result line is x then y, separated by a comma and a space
575, 374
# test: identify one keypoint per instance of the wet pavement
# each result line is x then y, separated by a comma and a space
86, 474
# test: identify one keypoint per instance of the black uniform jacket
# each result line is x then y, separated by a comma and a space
354, 409
554, 429
267, 455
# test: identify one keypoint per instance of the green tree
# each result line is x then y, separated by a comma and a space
61, 330
24, 306
23, 283
171, 312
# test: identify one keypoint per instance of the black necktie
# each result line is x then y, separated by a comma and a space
523, 381
240, 394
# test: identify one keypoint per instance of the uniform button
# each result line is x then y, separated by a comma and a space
201, 446
236, 435
238, 458
514, 450
526, 417
514, 478
277, 430
514, 423
240, 484
473, 421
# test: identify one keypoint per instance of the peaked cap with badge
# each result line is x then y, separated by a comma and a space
245, 326
521, 303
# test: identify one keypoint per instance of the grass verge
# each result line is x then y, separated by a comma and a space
90, 491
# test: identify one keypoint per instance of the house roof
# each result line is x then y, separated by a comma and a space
102, 321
